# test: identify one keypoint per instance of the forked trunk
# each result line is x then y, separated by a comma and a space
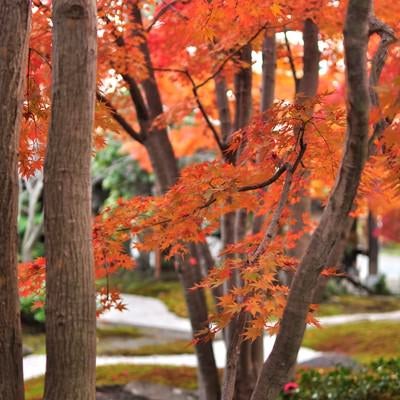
276, 369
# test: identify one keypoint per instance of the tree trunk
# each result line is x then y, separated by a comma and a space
245, 377
166, 169
307, 88
71, 298
373, 245
283, 356
14, 33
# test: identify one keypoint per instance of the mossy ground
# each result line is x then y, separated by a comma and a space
350, 304
36, 342
121, 374
365, 341
168, 348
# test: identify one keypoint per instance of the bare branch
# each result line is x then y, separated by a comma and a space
388, 37
291, 62
279, 171
203, 111
229, 57
139, 103
168, 6
267, 182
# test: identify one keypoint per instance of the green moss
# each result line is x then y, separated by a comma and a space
358, 304
123, 331
365, 341
183, 377
170, 348
36, 342
34, 389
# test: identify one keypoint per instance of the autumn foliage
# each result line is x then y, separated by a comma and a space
190, 44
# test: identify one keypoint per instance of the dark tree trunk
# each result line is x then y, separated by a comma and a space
14, 33
165, 165
307, 88
223, 108
71, 298
245, 378
283, 356
373, 245
166, 169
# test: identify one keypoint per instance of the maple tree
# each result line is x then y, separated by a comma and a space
177, 82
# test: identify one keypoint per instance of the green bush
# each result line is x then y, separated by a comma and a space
30, 312
379, 381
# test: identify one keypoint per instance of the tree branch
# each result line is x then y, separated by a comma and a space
279, 171
291, 62
167, 7
139, 103
229, 57
388, 37
203, 111
119, 118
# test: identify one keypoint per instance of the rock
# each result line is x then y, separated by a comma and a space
116, 393
154, 391
26, 351
331, 360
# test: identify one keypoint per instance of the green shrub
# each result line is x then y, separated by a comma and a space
30, 312
379, 381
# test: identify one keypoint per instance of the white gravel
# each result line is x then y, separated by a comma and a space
35, 365
152, 313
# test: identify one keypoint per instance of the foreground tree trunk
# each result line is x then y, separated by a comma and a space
71, 299
14, 32
283, 356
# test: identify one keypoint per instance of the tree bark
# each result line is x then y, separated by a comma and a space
14, 34
373, 245
245, 377
223, 108
307, 88
71, 298
283, 356
166, 169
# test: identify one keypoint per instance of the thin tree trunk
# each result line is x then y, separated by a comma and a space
268, 71
166, 169
267, 100
373, 245
283, 356
14, 33
245, 377
71, 298
223, 108
189, 276
307, 88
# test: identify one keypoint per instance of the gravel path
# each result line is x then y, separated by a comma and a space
152, 313
35, 365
